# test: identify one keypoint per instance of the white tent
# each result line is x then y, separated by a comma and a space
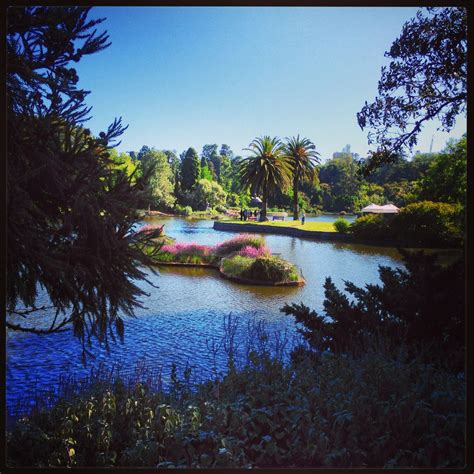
376, 209
390, 208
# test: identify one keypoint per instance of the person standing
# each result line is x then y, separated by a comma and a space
303, 217
241, 214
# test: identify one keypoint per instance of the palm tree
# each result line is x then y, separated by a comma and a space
303, 156
266, 170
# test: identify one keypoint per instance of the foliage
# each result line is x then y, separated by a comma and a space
342, 225
273, 269
186, 253
420, 308
339, 182
236, 244
302, 154
426, 79
183, 210
266, 170
338, 412
205, 173
252, 252
445, 180
190, 169
161, 177
207, 194
123, 161
400, 193
429, 223
368, 193
373, 227
70, 210
235, 266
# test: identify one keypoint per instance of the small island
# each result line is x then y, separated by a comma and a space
244, 259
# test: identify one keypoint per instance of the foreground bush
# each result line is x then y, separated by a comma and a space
420, 307
335, 411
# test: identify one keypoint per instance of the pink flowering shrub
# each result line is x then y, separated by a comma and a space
188, 249
238, 243
252, 252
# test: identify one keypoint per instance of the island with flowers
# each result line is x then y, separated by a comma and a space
244, 258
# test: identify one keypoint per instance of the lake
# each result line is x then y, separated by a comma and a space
184, 317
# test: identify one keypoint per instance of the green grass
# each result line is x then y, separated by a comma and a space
308, 226
237, 265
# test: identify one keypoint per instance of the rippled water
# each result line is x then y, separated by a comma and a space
187, 311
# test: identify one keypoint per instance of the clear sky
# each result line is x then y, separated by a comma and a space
187, 76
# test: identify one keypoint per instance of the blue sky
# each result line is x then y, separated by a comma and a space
187, 76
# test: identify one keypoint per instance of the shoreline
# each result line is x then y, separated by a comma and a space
314, 235
245, 281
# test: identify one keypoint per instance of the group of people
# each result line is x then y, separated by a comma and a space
245, 214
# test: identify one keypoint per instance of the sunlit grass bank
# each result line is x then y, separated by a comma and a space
308, 226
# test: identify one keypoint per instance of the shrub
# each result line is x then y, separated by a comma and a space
206, 193
429, 223
272, 269
341, 225
238, 243
184, 210
236, 265
372, 226
252, 252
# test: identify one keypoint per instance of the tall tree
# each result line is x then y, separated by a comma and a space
226, 151
266, 169
426, 79
71, 213
190, 169
161, 178
208, 151
303, 156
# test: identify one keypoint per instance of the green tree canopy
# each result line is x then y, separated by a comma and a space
71, 212
155, 163
446, 178
340, 175
207, 193
426, 79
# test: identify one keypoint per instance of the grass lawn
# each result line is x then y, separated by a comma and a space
313, 226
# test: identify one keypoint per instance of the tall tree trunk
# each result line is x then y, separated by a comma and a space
295, 198
263, 213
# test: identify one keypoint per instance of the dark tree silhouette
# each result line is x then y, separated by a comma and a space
71, 214
421, 306
190, 169
426, 79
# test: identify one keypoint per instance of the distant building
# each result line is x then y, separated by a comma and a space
346, 153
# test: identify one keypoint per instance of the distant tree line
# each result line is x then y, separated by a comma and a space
218, 179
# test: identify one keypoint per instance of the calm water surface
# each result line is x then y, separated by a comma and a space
186, 313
